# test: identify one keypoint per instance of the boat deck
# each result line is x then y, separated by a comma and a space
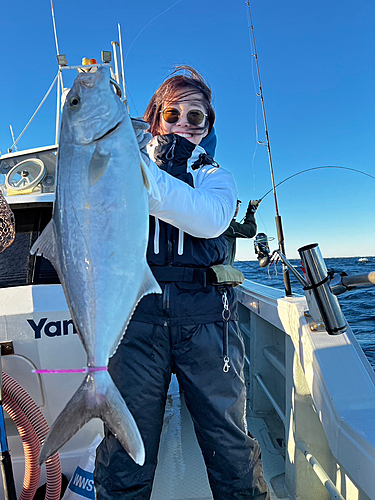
181, 473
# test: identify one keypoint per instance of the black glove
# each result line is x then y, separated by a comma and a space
252, 207
143, 137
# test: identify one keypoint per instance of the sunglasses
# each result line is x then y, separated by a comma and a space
194, 116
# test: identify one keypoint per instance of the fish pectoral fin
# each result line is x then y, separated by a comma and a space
97, 397
149, 181
117, 417
149, 284
98, 164
46, 245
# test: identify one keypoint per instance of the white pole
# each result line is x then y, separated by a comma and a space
122, 67
12, 134
117, 76
58, 106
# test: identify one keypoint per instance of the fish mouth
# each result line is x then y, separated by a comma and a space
108, 132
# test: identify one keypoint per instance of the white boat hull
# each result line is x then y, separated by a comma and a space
308, 392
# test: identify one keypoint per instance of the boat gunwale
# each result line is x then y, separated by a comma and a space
343, 392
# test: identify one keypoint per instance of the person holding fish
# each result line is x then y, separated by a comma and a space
191, 328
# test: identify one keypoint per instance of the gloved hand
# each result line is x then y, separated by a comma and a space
252, 207
143, 137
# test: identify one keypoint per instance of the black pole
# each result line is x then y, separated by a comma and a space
8, 479
280, 236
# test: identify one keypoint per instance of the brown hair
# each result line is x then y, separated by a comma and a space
170, 89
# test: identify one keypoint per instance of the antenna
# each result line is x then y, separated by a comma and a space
54, 28
60, 84
279, 226
13, 138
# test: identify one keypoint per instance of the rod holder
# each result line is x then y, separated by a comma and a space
317, 277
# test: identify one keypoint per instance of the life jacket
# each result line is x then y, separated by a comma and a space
190, 298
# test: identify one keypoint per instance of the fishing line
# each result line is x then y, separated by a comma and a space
133, 42
32, 118
131, 98
316, 168
148, 24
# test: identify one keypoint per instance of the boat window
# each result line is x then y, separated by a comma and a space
48, 159
17, 266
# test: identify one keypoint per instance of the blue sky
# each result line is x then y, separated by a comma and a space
318, 76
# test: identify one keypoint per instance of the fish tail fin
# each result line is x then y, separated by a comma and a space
119, 420
97, 397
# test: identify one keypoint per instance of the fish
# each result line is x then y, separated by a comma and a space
97, 241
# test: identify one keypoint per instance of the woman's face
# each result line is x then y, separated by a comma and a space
179, 109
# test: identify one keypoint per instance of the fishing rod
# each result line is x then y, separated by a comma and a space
314, 168
279, 227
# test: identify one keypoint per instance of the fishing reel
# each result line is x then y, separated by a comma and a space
262, 249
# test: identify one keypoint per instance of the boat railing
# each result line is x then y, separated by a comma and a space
309, 387
340, 282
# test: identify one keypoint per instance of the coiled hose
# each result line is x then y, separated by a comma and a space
30, 448
33, 429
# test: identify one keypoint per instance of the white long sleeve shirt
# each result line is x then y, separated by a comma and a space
203, 211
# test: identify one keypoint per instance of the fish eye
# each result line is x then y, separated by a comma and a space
74, 102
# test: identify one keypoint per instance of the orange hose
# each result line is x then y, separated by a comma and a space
30, 447
40, 426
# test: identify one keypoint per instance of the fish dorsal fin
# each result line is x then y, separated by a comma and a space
149, 181
46, 245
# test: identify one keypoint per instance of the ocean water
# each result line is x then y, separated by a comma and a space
358, 305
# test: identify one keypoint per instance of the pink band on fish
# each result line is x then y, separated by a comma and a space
87, 369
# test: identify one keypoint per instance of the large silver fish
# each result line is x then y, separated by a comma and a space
97, 241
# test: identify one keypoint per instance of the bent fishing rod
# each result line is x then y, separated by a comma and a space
312, 169
279, 227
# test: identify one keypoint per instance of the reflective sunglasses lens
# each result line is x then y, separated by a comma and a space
171, 115
195, 116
